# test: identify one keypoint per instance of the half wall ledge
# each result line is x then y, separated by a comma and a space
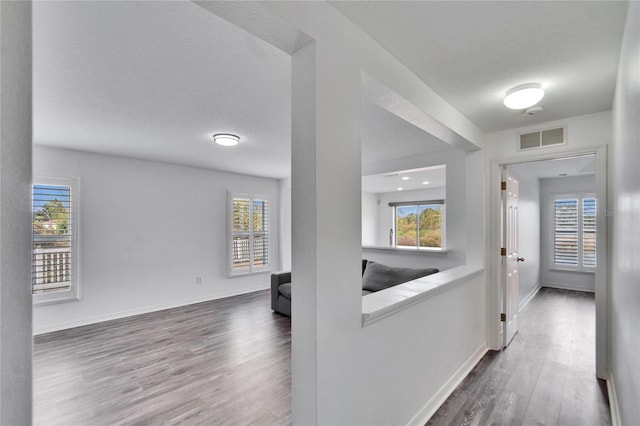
381, 304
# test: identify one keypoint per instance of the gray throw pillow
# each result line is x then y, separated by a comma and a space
378, 276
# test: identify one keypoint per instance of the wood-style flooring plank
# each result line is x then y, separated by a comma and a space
223, 362
228, 362
545, 377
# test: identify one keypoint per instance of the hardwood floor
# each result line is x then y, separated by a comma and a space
545, 377
228, 362
222, 362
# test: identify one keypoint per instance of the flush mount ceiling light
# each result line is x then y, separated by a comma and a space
524, 96
226, 139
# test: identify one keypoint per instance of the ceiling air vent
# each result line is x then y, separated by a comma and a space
542, 138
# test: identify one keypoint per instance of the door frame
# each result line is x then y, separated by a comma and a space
495, 290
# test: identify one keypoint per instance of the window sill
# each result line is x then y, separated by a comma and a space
52, 298
247, 273
571, 270
406, 250
381, 304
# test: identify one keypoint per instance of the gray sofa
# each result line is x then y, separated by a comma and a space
375, 277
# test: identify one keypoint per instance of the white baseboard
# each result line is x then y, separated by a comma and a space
529, 297
566, 286
423, 416
613, 402
48, 328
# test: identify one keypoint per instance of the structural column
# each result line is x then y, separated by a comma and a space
326, 232
15, 213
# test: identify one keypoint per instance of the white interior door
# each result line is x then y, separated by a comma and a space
510, 257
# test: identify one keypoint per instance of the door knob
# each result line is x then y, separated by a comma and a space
520, 259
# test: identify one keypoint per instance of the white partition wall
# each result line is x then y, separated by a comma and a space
15, 213
342, 372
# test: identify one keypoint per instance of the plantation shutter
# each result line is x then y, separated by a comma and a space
589, 232
52, 260
241, 251
250, 234
260, 232
565, 232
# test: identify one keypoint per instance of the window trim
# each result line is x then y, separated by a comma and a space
580, 197
443, 225
252, 269
73, 293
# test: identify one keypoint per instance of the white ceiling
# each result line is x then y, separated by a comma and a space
472, 52
390, 182
573, 166
385, 136
154, 80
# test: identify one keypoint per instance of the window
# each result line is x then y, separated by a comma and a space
249, 234
419, 224
574, 232
54, 256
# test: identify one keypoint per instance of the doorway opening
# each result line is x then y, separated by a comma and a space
559, 237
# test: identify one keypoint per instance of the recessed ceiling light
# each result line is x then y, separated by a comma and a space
405, 178
426, 182
399, 189
524, 96
226, 139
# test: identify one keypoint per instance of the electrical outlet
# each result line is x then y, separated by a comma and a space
198, 280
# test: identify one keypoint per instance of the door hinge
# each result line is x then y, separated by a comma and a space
503, 251
503, 317
503, 186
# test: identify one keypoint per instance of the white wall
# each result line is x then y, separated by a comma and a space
528, 232
147, 230
285, 224
582, 281
370, 207
406, 360
15, 207
585, 131
624, 221
338, 376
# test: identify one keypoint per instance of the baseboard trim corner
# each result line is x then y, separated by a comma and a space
613, 402
430, 408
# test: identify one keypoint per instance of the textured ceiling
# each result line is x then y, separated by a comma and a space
472, 52
154, 80
386, 136
573, 166
390, 182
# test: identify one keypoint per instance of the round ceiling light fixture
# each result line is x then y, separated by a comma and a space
226, 139
524, 96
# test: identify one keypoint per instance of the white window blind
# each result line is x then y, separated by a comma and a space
574, 232
566, 232
589, 232
54, 241
249, 234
